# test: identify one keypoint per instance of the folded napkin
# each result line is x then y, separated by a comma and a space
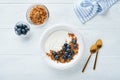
87, 9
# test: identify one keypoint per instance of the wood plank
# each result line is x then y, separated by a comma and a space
39, 1
33, 67
12, 44
12, 13
36, 1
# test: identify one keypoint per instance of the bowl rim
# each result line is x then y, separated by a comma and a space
28, 13
58, 27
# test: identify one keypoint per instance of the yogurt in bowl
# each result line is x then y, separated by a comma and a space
56, 40
52, 43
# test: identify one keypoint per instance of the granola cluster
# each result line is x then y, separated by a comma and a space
68, 51
38, 14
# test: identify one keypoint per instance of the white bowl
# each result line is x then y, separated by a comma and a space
28, 14
55, 28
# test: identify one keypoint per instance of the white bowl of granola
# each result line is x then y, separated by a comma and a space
61, 46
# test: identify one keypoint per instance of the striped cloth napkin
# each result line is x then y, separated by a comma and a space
87, 9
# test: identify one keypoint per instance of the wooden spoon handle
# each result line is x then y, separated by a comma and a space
95, 60
86, 63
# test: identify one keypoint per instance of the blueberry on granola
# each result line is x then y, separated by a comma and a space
68, 46
74, 41
56, 57
72, 52
67, 50
69, 57
64, 48
66, 54
75, 46
65, 44
60, 52
64, 57
54, 53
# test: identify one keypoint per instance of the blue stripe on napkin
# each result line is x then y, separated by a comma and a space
87, 9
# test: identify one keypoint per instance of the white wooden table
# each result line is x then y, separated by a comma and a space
20, 59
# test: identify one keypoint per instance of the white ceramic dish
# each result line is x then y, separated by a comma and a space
55, 28
28, 14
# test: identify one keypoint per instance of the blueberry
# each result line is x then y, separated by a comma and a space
69, 57
19, 25
21, 28
24, 26
64, 48
64, 57
66, 54
68, 50
75, 46
18, 31
27, 29
72, 52
74, 41
65, 44
54, 53
15, 28
24, 31
60, 52
56, 57
68, 46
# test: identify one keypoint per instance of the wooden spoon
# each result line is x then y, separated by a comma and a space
99, 45
93, 49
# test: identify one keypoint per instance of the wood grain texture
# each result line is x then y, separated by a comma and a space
12, 44
17, 67
12, 13
20, 59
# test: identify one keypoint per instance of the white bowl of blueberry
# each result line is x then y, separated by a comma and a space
61, 46
22, 29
